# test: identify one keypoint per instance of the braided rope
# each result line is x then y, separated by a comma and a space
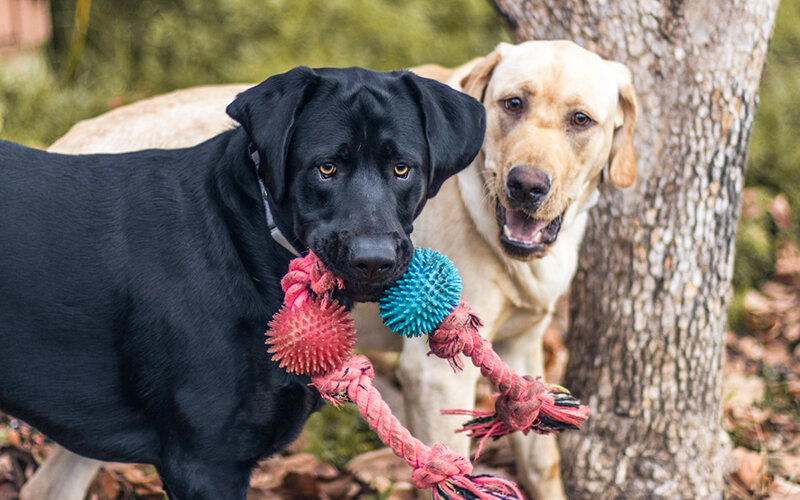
307, 274
353, 382
524, 404
458, 334
308, 282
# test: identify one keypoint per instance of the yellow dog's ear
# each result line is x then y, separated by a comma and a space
622, 160
475, 82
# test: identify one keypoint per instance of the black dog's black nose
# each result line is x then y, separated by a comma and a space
527, 186
372, 257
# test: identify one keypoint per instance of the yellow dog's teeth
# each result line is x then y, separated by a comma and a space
537, 238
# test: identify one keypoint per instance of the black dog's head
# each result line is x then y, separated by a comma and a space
353, 154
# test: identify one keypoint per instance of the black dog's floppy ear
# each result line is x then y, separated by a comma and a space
454, 127
267, 112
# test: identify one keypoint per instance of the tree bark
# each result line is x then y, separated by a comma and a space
650, 296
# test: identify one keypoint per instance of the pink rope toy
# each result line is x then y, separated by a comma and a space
313, 335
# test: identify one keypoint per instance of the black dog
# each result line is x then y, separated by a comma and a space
135, 288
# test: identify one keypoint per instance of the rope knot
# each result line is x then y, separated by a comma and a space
333, 386
307, 274
323, 281
454, 335
519, 407
440, 465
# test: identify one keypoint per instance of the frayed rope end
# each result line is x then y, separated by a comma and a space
480, 487
558, 411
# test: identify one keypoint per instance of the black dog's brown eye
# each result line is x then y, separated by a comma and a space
401, 170
580, 119
513, 104
327, 169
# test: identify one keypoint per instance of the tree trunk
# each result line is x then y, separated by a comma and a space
649, 299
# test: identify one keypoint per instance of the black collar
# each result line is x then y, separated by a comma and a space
276, 233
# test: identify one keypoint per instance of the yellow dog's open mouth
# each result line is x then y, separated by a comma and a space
521, 235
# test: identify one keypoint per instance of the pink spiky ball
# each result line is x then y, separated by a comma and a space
311, 339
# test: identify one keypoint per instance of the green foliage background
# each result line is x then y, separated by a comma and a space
773, 161
137, 48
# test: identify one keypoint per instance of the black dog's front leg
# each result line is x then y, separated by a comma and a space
187, 479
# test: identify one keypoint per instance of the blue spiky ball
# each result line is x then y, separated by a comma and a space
417, 302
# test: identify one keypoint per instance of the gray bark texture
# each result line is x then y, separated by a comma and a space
649, 300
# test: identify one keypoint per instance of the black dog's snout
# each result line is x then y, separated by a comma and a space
527, 187
372, 257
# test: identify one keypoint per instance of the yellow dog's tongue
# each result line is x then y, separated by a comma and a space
521, 228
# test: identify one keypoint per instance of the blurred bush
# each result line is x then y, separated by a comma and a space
166, 44
774, 156
135, 49
35, 109
773, 165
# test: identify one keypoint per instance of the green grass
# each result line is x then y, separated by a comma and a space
336, 435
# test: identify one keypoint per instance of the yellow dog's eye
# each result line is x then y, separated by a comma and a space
401, 170
580, 119
513, 105
327, 169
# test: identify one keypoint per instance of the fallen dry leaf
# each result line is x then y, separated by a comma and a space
787, 265
142, 480
301, 463
403, 491
341, 487
6, 466
751, 208
781, 489
379, 468
747, 466
259, 494
781, 212
776, 353
784, 465
8, 491
301, 485
267, 476
792, 331
271, 473
793, 388
106, 485
740, 391
13, 439
757, 303
750, 348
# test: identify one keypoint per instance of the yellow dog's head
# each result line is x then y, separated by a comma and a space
556, 115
